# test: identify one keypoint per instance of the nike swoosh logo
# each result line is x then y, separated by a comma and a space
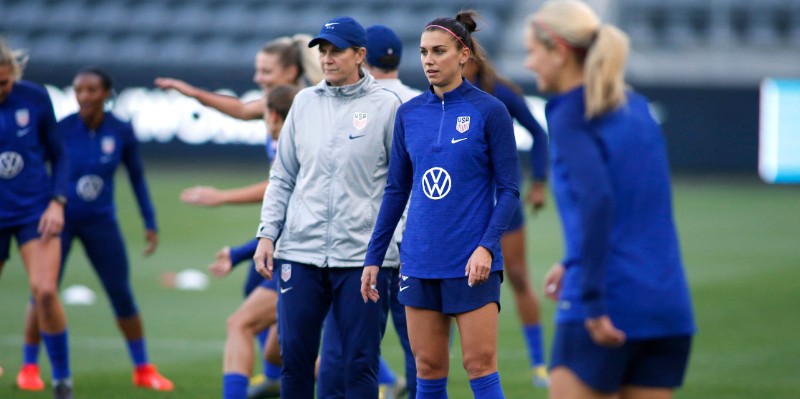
403, 288
404, 278
355, 137
23, 132
453, 140
285, 290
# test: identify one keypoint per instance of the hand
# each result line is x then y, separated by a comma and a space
537, 195
151, 236
52, 221
478, 267
263, 257
603, 332
179, 85
552, 281
222, 265
369, 283
202, 196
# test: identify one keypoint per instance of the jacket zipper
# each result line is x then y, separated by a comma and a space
438, 146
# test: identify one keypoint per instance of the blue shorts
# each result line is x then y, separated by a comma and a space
450, 296
518, 219
23, 232
653, 363
271, 284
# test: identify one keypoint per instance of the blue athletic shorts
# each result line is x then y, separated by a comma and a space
652, 363
450, 296
518, 219
24, 233
272, 284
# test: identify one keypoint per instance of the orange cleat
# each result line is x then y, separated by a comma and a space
28, 378
147, 376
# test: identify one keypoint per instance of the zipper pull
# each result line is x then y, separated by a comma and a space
442, 105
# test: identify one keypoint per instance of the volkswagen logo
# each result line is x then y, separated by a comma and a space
11, 164
436, 183
89, 187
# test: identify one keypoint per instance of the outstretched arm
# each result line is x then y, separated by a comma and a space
228, 105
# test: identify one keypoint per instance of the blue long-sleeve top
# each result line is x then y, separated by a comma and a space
28, 141
610, 178
94, 157
519, 110
243, 252
456, 154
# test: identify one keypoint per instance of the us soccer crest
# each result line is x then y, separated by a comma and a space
286, 272
462, 124
107, 145
359, 120
23, 117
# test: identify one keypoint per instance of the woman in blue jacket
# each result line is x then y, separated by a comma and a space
96, 144
624, 319
454, 149
32, 205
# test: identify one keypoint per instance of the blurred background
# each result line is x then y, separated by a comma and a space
699, 61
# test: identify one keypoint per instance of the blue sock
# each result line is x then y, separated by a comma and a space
272, 371
58, 352
533, 337
385, 374
234, 386
30, 354
432, 389
487, 387
138, 351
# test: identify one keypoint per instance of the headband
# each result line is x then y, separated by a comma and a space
553, 35
448, 31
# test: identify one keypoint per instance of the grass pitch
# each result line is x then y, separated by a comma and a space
740, 240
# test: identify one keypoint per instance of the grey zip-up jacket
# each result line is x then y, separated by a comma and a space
327, 181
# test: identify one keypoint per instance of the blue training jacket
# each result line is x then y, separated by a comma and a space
94, 157
610, 178
454, 156
28, 140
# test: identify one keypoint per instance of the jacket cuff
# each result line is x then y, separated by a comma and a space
267, 231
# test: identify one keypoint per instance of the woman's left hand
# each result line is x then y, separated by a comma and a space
478, 267
151, 236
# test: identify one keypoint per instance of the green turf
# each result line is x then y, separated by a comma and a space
741, 244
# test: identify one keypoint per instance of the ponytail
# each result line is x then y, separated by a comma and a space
604, 70
310, 69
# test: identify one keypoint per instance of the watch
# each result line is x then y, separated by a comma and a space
61, 199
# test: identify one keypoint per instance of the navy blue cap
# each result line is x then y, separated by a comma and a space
342, 32
384, 48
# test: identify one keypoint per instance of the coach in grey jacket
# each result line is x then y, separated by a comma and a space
326, 187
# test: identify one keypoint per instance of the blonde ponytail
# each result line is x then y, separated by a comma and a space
309, 58
15, 59
604, 71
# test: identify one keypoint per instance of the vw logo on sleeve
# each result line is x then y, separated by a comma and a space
436, 183
89, 187
11, 163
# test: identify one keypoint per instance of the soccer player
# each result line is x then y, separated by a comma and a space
454, 153
325, 188
624, 318
482, 74
258, 312
32, 209
96, 144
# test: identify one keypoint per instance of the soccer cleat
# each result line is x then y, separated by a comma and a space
540, 377
393, 391
268, 388
28, 378
146, 376
62, 389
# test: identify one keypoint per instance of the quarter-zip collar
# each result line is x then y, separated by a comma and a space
357, 89
455, 95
